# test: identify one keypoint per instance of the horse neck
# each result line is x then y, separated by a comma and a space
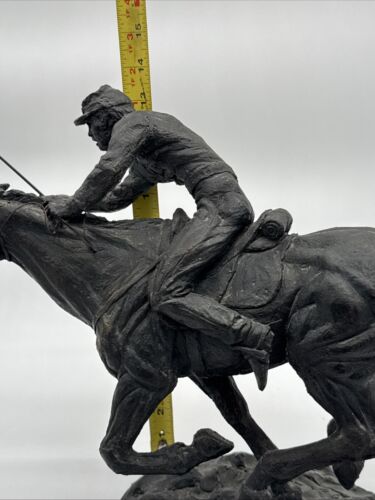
63, 264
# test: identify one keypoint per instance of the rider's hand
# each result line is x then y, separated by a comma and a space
62, 206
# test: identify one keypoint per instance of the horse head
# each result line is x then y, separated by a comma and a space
10, 202
78, 262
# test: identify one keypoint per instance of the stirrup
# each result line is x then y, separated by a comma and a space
259, 362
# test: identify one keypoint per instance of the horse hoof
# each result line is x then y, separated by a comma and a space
206, 445
348, 472
286, 492
209, 444
250, 494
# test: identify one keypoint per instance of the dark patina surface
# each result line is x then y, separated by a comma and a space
317, 291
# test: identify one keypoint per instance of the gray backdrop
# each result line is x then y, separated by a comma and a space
283, 90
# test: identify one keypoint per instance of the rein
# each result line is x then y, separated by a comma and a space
61, 221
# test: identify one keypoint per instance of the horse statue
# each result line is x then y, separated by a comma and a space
317, 291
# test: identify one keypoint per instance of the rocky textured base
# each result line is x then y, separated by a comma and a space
221, 479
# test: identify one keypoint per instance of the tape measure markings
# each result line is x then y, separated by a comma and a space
136, 82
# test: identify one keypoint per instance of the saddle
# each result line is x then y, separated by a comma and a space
264, 234
250, 275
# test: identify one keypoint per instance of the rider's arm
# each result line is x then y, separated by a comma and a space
123, 195
104, 177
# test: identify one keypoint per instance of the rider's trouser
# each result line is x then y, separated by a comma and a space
223, 211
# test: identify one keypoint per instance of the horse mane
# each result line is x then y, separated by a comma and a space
88, 219
17, 195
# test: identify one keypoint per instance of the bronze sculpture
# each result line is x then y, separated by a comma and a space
257, 297
155, 147
317, 291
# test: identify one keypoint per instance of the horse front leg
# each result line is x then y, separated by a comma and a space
232, 405
132, 405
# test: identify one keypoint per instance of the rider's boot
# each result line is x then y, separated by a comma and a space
202, 313
258, 355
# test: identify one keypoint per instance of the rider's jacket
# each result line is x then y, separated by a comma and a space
156, 147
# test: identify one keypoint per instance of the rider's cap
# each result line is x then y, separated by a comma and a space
104, 97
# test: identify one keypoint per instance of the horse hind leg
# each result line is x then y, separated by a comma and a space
348, 445
342, 343
331, 344
278, 467
132, 406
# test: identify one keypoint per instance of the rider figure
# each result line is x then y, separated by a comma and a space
155, 147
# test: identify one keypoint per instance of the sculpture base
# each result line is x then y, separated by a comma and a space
222, 478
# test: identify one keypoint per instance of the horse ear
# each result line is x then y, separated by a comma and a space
3, 188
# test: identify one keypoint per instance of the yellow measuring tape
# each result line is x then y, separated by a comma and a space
136, 82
